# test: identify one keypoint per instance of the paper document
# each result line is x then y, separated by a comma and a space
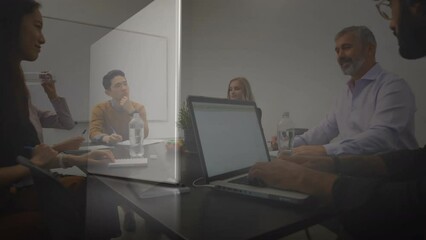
96, 147
273, 153
127, 142
72, 171
145, 142
129, 162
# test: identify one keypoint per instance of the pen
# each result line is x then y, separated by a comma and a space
84, 131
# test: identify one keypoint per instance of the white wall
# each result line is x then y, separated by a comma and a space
67, 50
286, 50
143, 59
149, 60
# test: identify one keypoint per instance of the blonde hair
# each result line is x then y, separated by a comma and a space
247, 93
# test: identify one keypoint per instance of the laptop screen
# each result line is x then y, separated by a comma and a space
230, 135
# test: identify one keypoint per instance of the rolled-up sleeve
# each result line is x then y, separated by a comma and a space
96, 126
321, 134
391, 126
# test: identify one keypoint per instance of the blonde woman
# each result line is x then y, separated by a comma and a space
239, 89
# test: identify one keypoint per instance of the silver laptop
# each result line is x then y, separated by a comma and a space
230, 140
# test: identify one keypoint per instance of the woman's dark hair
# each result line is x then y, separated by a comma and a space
13, 93
12, 80
11, 13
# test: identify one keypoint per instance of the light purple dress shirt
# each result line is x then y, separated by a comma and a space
376, 115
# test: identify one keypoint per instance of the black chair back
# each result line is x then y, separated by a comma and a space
58, 204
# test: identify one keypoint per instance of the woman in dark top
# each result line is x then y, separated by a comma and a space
18, 212
21, 40
16, 25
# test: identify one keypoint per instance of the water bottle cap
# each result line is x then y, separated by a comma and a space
132, 114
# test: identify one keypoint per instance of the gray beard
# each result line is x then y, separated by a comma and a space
354, 67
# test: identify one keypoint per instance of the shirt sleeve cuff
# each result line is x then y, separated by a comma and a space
298, 141
98, 138
331, 148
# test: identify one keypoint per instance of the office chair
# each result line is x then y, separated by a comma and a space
64, 219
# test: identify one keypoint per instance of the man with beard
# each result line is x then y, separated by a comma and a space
407, 21
374, 114
376, 197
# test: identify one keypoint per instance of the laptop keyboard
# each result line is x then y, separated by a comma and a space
242, 180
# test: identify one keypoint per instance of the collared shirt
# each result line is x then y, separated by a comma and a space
375, 115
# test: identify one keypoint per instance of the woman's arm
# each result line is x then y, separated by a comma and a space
12, 174
42, 156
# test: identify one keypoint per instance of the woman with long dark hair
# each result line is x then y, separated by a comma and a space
18, 20
21, 39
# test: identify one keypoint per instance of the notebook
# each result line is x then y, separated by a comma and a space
230, 140
128, 162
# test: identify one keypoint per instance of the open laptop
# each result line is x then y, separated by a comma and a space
230, 140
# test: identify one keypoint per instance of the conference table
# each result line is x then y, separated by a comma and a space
182, 211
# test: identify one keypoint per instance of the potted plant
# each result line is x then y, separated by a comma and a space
185, 123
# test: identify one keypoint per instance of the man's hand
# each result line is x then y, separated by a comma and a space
316, 150
100, 157
126, 104
112, 139
94, 158
70, 144
48, 85
291, 176
44, 156
279, 174
320, 163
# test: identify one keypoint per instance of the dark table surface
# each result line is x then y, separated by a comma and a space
201, 213
205, 213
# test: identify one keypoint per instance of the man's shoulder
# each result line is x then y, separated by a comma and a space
386, 76
137, 105
102, 106
385, 80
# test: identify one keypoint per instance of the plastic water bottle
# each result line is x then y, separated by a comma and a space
285, 133
136, 136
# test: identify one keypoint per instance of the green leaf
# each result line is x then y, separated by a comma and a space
184, 118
